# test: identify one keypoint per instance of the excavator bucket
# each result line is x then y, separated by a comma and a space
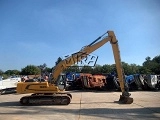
125, 99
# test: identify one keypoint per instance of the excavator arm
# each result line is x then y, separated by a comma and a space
76, 57
124, 98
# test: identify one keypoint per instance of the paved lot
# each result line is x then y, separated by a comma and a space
89, 105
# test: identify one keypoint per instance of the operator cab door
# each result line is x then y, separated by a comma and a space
61, 82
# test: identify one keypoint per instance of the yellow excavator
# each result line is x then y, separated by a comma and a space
50, 92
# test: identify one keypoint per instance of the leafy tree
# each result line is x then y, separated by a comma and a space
156, 59
43, 68
86, 69
12, 72
144, 70
31, 70
5, 76
73, 68
127, 68
58, 60
147, 62
97, 69
49, 70
107, 68
113, 68
134, 68
156, 64
1, 72
152, 65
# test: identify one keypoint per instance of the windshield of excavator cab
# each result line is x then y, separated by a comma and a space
61, 79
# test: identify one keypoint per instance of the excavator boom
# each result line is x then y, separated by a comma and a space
76, 57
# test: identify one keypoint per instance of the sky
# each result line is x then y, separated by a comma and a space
34, 32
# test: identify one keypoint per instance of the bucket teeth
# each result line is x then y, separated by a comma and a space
125, 99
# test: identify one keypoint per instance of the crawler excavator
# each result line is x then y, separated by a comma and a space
50, 93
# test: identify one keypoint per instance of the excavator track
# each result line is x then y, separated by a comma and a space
46, 99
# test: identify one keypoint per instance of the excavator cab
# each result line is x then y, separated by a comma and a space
62, 82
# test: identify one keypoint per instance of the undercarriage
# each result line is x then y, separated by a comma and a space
47, 99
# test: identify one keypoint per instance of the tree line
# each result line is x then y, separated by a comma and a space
149, 66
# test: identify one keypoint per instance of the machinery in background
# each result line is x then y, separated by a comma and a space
71, 80
49, 92
9, 85
133, 81
84, 81
112, 82
143, 82
93, 81
140, 82
152, 82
